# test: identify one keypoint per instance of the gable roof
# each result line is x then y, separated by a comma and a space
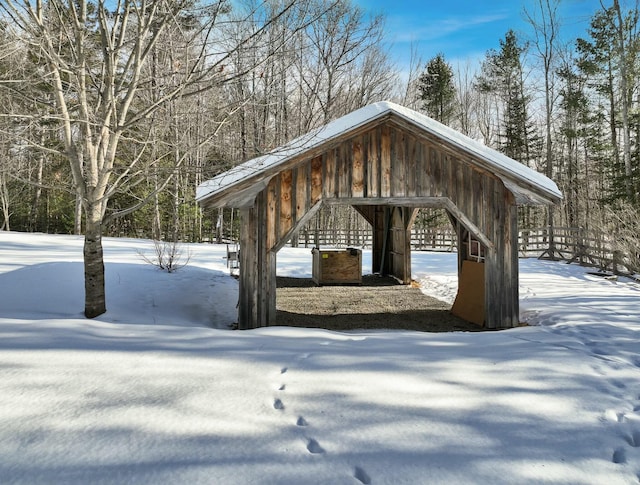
238, 186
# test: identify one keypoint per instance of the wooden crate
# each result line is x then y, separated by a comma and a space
337, 266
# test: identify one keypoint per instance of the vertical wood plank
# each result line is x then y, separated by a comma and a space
303, 182
411, 162
512, 256
438, 178
272, 215
379, 236
357, 170
262, 277
373, 164
385, 162
343, 165
316, 180
459, 182
329, 174
248, 269
450, 187
434, 170
470, 206
286, 203
398, 164
485, 204
421, 170
494, 263
270, 288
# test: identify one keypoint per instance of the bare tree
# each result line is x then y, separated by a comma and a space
409, 96
338, 39
544, 20
95, 56
466, 99
626, 43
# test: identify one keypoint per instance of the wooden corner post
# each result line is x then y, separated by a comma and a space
501, 273
257, 285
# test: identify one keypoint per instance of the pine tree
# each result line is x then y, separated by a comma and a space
502, 75
437, 90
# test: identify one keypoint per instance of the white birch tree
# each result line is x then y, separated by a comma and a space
95, 56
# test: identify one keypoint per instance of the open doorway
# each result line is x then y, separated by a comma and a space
376, 301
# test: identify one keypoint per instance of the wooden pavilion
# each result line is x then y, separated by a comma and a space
386, 161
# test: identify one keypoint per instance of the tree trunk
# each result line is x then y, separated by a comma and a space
220, 225
626, 101
35, 206
94, 288
77, 221
4, 202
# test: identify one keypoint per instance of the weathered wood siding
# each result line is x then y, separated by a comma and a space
387, 161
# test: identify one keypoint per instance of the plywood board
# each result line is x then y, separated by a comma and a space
469, 303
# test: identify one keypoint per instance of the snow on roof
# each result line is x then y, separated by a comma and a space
500, 162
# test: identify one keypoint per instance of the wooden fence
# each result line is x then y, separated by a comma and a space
573, 245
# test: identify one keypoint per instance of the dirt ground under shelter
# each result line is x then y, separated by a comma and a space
379, 303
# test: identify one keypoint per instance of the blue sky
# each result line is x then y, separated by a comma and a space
465, 29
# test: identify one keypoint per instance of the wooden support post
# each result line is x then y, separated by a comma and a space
247, 304
501, 275
399, 246
257, 285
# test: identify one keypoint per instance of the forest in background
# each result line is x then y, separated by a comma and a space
219, 82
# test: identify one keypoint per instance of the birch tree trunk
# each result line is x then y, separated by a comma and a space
94, 283
4, 202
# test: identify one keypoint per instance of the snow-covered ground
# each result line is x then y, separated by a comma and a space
158, 390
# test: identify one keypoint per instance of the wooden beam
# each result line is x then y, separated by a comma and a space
436, 202
470, 226
379, 215
299, 223
366, 211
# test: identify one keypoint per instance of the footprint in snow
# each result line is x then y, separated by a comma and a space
362, 476
314, 447
283, 370
282, 387
619, 456
301, 422
277, 404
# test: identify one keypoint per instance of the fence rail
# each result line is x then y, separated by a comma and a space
588, 248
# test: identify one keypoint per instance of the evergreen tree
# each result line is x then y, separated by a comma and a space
502, 75
610, 58
437, 90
